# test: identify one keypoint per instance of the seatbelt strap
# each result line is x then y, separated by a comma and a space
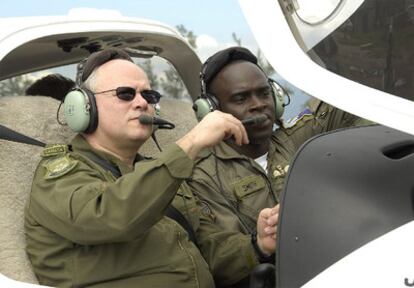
171, 211
11, 135
103, 163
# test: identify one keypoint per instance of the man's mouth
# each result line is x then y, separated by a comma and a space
255, 120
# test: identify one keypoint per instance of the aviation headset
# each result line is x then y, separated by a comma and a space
207, 102
80, 109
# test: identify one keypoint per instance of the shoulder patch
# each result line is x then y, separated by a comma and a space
293, 121
59, 166
54, 150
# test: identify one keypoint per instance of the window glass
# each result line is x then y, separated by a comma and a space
161, 73
314, 12
374, 47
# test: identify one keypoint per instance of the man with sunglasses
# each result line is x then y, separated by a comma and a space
99, 215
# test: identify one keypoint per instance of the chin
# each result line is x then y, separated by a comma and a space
138, 135
141, 137
260, 135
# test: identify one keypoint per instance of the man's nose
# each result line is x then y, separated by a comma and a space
257, 102
139, 101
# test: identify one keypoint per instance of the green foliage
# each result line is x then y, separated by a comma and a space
236, 39
169, 82
15, 86
267, 68
172, 85
189, 35
152, 77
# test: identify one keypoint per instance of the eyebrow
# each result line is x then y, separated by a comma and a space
247, 91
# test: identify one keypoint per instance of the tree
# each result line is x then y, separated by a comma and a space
16, 85
170, 81
267, 68
172, 85
152, 77
236, 39
188, 34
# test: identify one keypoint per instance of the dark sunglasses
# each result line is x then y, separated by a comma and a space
128, 94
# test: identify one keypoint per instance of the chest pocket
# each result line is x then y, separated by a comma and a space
248, 186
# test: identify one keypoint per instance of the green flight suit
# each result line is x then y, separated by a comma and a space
234, 188
85, 228
229, 254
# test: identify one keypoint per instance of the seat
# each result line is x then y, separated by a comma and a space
35, 116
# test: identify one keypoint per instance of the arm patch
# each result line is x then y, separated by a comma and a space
59, 166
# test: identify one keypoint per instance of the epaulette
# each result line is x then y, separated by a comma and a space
52, 150
295, 120
58, 161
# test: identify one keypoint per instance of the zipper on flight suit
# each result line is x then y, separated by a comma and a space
190, 256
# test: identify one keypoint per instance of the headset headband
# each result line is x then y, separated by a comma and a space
214, 64
96, 59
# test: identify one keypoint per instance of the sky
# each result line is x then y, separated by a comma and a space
213, 21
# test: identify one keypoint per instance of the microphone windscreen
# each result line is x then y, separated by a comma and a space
254, 120
146, 119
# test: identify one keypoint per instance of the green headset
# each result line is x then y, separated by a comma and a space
80, 110
81, 113
79, 105
207, 102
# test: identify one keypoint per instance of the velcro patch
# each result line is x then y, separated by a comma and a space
54, 150
59, 166
293, 121
248, 185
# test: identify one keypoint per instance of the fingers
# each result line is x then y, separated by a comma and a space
276, 209
270, 218
215, 127
269, 230
233, 128
273, 219
265, 213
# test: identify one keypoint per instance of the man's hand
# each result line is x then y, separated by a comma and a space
266, 229
215, 127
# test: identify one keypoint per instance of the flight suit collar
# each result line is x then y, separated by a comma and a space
79, 144
225, 151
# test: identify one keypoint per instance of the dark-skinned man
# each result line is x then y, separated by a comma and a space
234, 182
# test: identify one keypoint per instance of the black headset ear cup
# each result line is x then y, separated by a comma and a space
205, 104
214, 101
278, 94
81, 113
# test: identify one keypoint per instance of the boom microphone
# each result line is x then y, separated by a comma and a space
254, 120
152, 120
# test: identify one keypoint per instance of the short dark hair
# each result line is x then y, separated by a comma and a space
214, 64
96, 59
53, 85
